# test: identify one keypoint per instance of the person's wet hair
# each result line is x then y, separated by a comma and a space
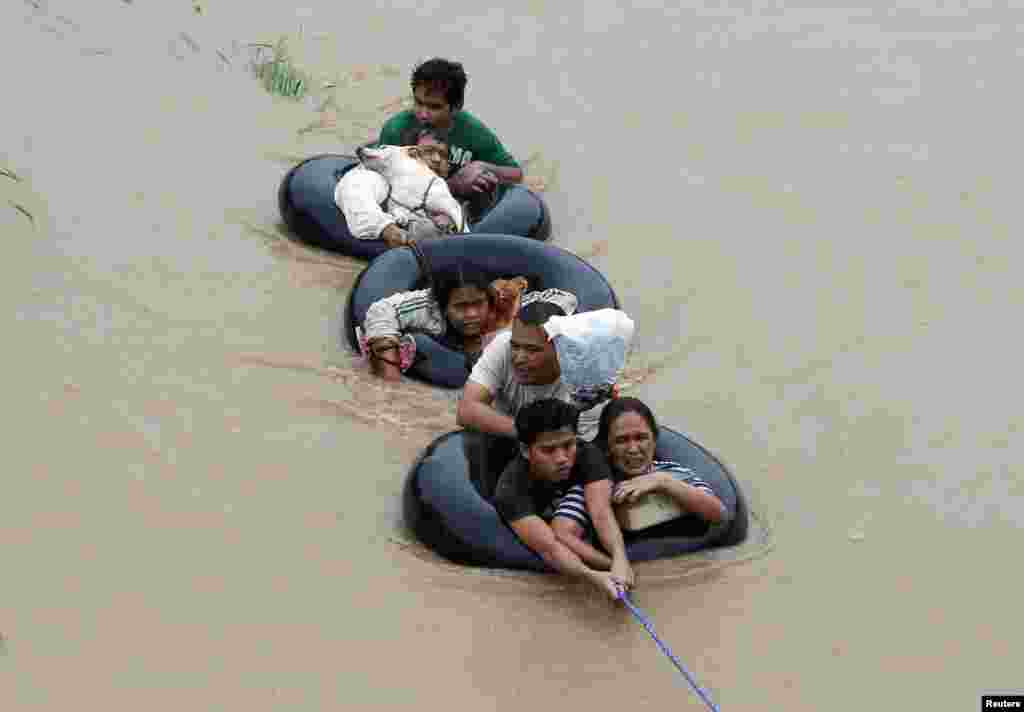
414, 134
547, 415
621, 406
464, 276
439, 135
445, 75
537, 313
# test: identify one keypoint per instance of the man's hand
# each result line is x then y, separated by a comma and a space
443, 222
476, 412
632, 489
605, 581
394, 236
622, 573
474, 177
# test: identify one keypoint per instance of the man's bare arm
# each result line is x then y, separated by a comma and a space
506, 174
598, 497
475, 411
536, 534
569, 533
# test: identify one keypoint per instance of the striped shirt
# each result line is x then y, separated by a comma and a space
681, 474
419, 312
573, 505
415, 311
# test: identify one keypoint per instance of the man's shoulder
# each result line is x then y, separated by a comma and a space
512, 480
469, 119
398, 123
496, 353
470, 124
591, 463
492, 369
501, 340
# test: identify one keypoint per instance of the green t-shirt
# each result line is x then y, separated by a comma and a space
468, 139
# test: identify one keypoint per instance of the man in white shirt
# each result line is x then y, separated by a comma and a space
518, 367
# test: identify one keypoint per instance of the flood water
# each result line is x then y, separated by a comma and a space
810, 213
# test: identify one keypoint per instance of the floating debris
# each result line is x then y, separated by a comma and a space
190, 41
24, 211
10, 174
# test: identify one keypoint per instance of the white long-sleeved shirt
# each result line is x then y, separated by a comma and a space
404, 312
359, 194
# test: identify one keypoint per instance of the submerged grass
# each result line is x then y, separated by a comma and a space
277, 70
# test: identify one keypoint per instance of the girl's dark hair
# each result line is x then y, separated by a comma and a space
463, 276
546, 415
621, 406
445, 75
412, 135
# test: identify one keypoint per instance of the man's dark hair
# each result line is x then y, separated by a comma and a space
536, 313
546, 415
444, 75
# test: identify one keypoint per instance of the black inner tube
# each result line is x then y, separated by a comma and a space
305, 199
447, 513
405, 269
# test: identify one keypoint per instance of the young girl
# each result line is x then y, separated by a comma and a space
475, 308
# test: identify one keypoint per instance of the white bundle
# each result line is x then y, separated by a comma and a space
591, 348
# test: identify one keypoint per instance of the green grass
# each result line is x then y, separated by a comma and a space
278, 73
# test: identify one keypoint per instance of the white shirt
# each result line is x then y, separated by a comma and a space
359, 194
494, 372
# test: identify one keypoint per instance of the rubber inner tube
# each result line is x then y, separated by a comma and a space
305, 199
403, 269
448, 514
306, 202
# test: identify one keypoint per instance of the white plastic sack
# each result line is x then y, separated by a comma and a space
591, 348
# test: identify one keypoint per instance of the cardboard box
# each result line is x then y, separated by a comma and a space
650, 509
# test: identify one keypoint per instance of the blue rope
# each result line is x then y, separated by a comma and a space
624, 596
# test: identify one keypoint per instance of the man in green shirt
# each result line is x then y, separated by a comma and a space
478, 162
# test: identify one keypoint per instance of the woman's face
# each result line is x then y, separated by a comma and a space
631, 444
468, 309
